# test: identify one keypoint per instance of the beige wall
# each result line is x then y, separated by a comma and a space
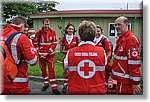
137, 24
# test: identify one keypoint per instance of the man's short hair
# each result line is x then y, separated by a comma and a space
46, 20
126, 20
18, 20
87, 30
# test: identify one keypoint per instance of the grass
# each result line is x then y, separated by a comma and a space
36, 71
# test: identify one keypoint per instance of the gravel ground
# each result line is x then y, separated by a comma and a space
36, 88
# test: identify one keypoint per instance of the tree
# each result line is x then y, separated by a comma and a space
45, 6
24, 8
18, 9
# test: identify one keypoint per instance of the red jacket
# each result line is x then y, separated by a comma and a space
126, 64
86, 66
20, 45
104, 43
45, 42
68, 46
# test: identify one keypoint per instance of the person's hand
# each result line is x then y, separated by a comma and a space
45, 54
65, 74
137, 89
64, 51
108, 59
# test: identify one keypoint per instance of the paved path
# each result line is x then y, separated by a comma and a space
36, 88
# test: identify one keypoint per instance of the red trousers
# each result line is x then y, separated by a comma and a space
20, 88
23, 91
65, 76
50, 76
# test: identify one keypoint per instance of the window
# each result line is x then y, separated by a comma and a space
112, 31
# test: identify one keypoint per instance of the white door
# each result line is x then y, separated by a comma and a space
112, 34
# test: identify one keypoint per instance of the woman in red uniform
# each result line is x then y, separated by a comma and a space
67, 42
102, 41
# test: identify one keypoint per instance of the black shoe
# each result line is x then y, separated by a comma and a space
56, 92
64, 90
45, 88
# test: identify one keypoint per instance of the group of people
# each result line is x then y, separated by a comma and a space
86, 61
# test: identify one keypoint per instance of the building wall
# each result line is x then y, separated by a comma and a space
136, 24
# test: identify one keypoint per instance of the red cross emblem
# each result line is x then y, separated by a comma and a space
134, 53
86, 68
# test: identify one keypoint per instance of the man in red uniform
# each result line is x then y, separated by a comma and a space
126, 64
19, 46
86, 64
45, 42
26, 30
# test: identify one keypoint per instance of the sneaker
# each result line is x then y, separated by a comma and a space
56, 92
45, 88
64, 90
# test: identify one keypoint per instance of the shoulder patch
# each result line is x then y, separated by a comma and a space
134, 53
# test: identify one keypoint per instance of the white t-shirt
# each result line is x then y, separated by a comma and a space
69, 38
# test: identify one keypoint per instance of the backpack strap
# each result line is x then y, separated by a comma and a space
103, 40
11, 37
39, 37
63, 40
8, 41
77, 41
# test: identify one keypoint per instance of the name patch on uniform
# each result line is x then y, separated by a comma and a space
85, 54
